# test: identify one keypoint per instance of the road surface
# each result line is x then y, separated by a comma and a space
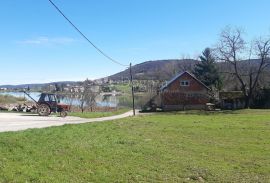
23, 121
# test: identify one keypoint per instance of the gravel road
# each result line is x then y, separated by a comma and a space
23, 121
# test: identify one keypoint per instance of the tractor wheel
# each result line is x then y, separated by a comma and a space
63, 114
44, 110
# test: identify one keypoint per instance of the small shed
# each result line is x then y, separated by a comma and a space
232, 100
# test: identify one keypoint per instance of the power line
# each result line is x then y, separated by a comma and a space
99, 50
88, 40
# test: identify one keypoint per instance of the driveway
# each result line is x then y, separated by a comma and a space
23, 121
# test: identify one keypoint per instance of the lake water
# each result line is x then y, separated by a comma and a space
101, 100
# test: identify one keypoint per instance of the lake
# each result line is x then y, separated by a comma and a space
101, 100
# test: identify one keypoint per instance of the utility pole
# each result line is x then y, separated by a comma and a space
132, 89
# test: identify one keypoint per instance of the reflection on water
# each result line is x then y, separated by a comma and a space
101, 100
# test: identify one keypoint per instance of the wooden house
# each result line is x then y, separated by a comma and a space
184, 91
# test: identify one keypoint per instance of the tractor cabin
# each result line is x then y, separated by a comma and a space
184, 92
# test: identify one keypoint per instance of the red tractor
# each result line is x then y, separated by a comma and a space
49, 103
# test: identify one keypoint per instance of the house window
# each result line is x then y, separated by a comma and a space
184, 83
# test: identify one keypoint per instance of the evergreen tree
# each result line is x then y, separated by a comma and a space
206, 70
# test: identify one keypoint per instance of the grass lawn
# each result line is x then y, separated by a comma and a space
167, 147
98, 114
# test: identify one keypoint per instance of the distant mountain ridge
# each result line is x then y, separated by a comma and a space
35, 85
156, 70
160, 70
166, 69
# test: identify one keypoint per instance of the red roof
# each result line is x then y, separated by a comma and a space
179, 75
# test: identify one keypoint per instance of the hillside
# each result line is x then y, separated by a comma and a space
36, 85
156, 70
166, 69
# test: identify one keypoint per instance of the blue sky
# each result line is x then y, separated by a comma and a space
38, 45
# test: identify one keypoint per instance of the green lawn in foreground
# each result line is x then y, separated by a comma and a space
98, 114
167, 147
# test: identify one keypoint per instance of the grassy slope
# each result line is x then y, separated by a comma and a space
124, 88
98, 114
154, 148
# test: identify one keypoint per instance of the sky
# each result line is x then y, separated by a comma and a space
38, 45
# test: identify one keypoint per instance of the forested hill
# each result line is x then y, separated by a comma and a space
166, 69
156, 70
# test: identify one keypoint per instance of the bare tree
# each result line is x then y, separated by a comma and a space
88, 96
83, 96
171, 68
91, 99
262, 51
69, 100
232, 49
186, 65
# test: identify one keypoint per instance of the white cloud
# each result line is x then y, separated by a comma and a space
43, 40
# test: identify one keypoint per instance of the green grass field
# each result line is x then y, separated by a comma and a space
166, 147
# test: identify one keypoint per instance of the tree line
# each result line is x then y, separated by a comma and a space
233, 49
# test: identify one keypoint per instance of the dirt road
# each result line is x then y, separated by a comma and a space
22, 121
